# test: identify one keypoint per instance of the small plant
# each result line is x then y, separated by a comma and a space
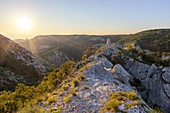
125, 96
74, 82
73, 92
134, 103
118, 98
112, 105
65, 86
54, 93
84, 67
39, 99
132, 96
52, 99
66, 99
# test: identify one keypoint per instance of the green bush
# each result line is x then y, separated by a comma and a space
25, 96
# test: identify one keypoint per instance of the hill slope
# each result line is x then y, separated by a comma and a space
19, 65
154, 40
112, 79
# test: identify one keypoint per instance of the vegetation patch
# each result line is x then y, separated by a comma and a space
66, 99
65, 86
25, 96
90, 51
134, 103
118, 98
85, 67
52, 99
148, 58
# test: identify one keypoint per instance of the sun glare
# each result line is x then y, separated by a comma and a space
23, 23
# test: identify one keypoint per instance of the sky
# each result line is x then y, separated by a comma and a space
82, 16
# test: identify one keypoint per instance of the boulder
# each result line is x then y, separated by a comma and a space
123, 75
106, 63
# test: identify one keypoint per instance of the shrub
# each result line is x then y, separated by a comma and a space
90, 51
84, 67
112, 105
129, 47
134, 103
65, 86
25, 96
67, 67
66, 99
52, 99
132, 96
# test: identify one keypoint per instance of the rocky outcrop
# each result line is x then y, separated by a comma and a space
122, 74
152, 83
101, 78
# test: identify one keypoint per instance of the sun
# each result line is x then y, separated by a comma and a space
24, 23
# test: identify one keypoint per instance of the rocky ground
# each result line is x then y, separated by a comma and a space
99, 76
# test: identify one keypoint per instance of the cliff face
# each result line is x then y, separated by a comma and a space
17, 65
104, 80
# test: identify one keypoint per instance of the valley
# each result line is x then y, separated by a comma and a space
78, 73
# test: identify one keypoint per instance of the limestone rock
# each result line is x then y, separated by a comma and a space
166, 76
121, 73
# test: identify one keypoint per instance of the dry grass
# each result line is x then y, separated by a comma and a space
73, 92
85, 67
134, 103
118, 98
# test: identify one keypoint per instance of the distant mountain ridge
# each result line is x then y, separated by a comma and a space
18, 65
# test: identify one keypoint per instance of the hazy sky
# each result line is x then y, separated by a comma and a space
82, 16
